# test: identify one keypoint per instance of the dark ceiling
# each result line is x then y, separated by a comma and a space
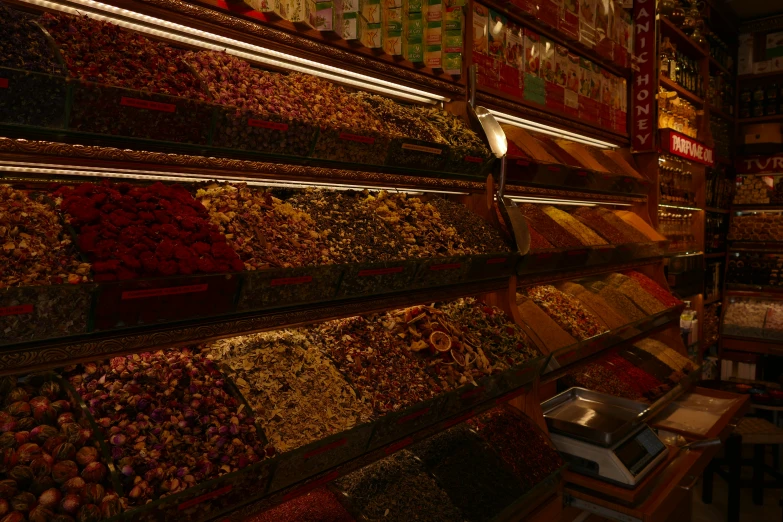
752, 9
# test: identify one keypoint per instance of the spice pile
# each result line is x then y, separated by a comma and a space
35, 248
479, 236
296, 393
583, 233
464, 141
23, 44
745, 317
566, 311
169, 421
263, 230
547, 227
634, 291
320, 505
400, 120
397, 489
593, 219
654, 289
594, 303
51, 464
756, 227
131, 231
548, 334
628, 230
617, 300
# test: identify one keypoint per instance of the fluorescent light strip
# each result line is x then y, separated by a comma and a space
678, 207
552, 131
252, 52
168, 176
525, 199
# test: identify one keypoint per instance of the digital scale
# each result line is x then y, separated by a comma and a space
603, 436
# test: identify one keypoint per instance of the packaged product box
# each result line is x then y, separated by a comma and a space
433, 33
453, 18
413, 49
595, 82
370, 11
452, 63
479, 52
391, 4
623, 23
745, 54
527, 6
549, 11
774, 45
346, 6
453, 42
604, 28
392, 43
392, 20
561, 65
509, 78
571, 93
348, 25
413, 26
497, 35
293, 10
433, 55
547, 47
568, 23
434, 12
321, 16
515, 47
412, 6
532, 53
587, 22
273, 7
370, 34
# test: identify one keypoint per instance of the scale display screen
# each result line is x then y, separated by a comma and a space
637, 452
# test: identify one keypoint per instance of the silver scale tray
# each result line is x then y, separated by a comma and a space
594, 417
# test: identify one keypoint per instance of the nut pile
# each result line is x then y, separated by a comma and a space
35, 248
102, 52
132, 231
567, 311
23, 44
51, 467
753, 190
756, 227
296, 393
263, 230
169, 421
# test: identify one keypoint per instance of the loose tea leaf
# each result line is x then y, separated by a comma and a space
479, 236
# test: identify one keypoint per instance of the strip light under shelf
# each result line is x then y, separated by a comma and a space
548, 130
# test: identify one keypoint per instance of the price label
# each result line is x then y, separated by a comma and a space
311, 485
267, 124
474, 159
497, 260
285, 281
553, 168
397, 446
357, 138
326, 448
581, 173
147, 104
3, 83
422, 148
157, 292
413, 416
458, 420
380, 271
472, 393
16, 310
542, 255
446, 266
576, 252
203, 498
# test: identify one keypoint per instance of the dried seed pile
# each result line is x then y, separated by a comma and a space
654, 289
624, 228
296, 393
459, 136
566, 311
537, 241
617, 300
548, 332
583, 233
548, 227
23, 44
601, 378
593, 219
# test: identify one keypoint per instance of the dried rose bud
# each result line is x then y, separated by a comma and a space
23, 502
89, 513
74, 485
50, 498
86, 455
14, 516
19, 409
71, 503
64, 470
94, 472
117, 439
66, 418
41, 467
28, 452
52, 443
61, 406
65, 451
44, 414
40, 514
39, 401
41, 434
23, 475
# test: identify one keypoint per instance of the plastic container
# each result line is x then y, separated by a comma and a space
441, 271
115, 111
351, 146
138, 302
417, 154
499, 265
462, 160
34, 313
280, 287
395, 426
376, 278
33, 99
262, 132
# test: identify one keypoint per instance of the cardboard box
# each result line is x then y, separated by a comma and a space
392, 20
595, 81
568, 24
453, 19
515, 46
763, 133
392, 43
371, 11
412, 6
497, 35
413, 26
548, 60
587, 22
585, 77
346, 6
370, 34
453, 42
434, 11
413, 49
561, 65
745, 54
348, 25
452, 63
480, 29
549, 11
267, 6
433, 56
321, 16
774, 45
532, 53
391, 4
293, 10
433, 33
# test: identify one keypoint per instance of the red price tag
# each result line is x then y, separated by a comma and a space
311, 485
355, 137
397, 446
146, 104
543, 255
497, 260
16, 310
285, 281
473, 159
267, 124
472, 393
3, 83
446, 266
203, 498
157, 292
553, 168
413, 416
380, 271
582, 173
458, 420
326, 447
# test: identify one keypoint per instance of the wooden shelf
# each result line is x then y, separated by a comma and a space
681, 91
759, 208
751, 345
722, 114
717, 65
717, 210
713, 299
715, 255
762, 119
723, 160
772, 292
752, 77
684, 42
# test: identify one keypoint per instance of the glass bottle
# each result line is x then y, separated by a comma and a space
666, 56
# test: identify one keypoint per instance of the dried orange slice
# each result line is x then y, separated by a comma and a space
441, 341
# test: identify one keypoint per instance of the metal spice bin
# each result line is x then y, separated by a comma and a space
394, 426
33, 99
376, 278
242, 129
105, 109
417, 154
136, 302
32, 313
351, 146
309, 460
441, 271
261, 289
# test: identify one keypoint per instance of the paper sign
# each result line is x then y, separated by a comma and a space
285, 281
267, 124
16, 310
172, 290
146, 104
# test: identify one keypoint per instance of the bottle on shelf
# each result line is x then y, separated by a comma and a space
666, 57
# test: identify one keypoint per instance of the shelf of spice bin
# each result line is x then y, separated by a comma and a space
681, 91
756, 208
715, 255
761, 119
753, 290
750, 344
756, 246
564, 259
567, 358
759, 76
684, 42
717, 210
81, 343
720, 67
556, 175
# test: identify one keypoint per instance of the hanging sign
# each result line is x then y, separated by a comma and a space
772, 164
685, 147
644, 79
